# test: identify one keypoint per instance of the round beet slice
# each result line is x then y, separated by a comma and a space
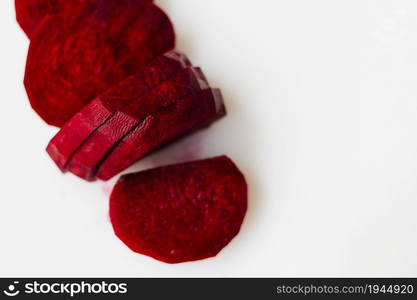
76, 55
29, 13
182, 212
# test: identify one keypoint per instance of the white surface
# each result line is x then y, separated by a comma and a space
322, 101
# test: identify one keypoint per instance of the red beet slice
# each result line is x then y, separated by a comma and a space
95, 148
166, 125
76, 55
29, 13
83, 124
182, 212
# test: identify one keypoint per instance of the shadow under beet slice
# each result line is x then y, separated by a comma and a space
76, 55
163, 127
93, 115
182, 212
95, 148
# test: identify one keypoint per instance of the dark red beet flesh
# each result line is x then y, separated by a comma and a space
29, 13
166, 125
180, 213
78, 54
95, 148
83, 124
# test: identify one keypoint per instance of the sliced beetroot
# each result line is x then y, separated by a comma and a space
29, 13
160, 70
76, 55
95, 148
83, 124
166, 125
180, 213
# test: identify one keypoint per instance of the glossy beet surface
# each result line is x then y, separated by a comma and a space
83, 124
78, 54
182, 212
95, 148
166, 125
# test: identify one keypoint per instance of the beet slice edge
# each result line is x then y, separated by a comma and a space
165, 126
83, 124
95, 148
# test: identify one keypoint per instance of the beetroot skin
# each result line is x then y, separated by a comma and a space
78, 54
96, 113
180, 213
94, 149
166, 125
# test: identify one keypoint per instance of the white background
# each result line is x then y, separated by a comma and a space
322, 101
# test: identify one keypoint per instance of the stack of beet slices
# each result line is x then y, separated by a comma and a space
105, 72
